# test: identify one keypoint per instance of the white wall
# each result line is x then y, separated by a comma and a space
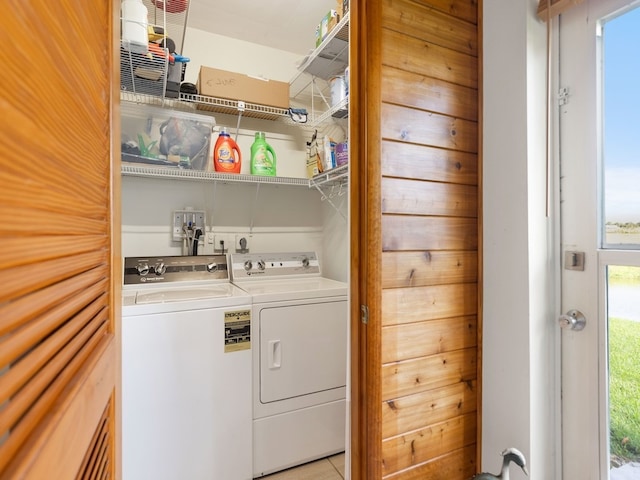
211, 50
519, 336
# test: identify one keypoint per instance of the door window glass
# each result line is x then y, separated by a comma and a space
623, 319
621, 165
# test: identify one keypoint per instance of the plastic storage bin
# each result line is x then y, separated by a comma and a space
157, 136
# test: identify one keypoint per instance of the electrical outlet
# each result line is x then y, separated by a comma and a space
211, 238
223, 243
242, 243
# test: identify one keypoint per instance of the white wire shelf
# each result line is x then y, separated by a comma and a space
332, 55
341, 110
185, 174
331, 177
234, 107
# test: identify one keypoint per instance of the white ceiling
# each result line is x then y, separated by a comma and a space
283, 24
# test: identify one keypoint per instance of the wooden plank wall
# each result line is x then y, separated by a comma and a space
430, 238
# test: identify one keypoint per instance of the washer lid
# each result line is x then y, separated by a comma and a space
182, 294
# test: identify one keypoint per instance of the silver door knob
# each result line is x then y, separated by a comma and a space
573, 320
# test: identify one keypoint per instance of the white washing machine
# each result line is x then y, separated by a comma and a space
299, 329
186, 371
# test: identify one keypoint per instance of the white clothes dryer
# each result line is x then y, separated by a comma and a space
186, 371
300, 332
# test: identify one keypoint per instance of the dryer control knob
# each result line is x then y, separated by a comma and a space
212, 267
143, 269
248, 265
305, 262
261, 265
160, 268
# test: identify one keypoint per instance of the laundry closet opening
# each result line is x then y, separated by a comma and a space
235, 236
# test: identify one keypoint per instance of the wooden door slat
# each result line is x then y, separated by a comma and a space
21, 196
421, 162
416, 304
101, 460
38, 276
425, 93
414, 340
417, 56
428, 443
464, 9
28, 250
36, 413
418, 197
409, 125
42, 342
413, 412
37, 387
77, 289
42, 222
409, 377
431, 26
100, 435
419, 269
457, 465
403, 232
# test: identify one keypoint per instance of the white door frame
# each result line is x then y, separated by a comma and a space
584, 353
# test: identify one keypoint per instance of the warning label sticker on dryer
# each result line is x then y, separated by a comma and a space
237, 330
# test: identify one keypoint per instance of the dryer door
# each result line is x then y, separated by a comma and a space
303, 349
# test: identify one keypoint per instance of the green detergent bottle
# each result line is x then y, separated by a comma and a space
263, 158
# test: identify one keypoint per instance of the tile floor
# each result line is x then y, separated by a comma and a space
330, 468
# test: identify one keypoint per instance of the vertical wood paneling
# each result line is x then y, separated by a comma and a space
417, 56
426, 93
428, 163
406, 341
57, 317
435, 27
416, 126
365, 239
416, 269
463, 9
459, 464
430, 237
413, 412
415, 448
417, 197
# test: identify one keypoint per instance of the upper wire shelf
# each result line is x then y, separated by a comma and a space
331, 177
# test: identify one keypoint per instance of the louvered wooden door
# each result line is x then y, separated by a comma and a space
58, 240
415, 238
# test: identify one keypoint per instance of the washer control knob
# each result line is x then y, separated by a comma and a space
212, 267
261, 265
305, 262
248, 265
143, 269
160, 268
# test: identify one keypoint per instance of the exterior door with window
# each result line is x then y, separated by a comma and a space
599, 178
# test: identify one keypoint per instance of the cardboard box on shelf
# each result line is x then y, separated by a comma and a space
334, 18
328, 22
340, 9
213, 82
